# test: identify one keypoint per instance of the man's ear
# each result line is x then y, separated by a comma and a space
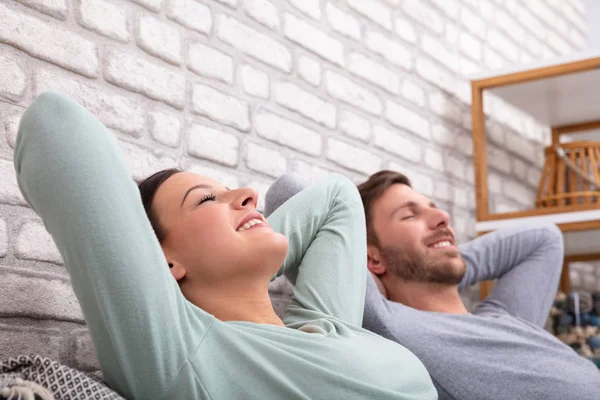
374, 261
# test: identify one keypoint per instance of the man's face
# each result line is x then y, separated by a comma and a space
416, 242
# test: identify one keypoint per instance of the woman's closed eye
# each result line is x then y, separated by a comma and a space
407, 217
206, 197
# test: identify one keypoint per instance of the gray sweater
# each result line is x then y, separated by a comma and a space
499, 351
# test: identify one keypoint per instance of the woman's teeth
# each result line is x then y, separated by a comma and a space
445, 243
249, 224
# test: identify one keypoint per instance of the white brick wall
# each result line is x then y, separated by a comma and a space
245, 90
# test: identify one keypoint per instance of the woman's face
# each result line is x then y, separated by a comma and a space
213, 233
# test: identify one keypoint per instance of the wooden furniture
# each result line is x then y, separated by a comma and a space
564, 94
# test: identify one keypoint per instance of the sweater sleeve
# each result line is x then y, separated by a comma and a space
325, 226
72, 173
526, 262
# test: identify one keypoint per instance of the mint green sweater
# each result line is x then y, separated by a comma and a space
154, 344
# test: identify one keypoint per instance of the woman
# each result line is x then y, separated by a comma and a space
210, 332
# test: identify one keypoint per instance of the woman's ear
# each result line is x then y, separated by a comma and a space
177, 270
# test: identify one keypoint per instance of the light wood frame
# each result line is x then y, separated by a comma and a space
480, 162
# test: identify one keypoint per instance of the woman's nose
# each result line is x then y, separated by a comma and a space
245, 197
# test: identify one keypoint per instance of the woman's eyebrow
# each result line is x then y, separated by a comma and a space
193, 188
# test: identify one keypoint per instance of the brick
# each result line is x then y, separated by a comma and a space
143, 161
351, 157
444, 107
492, 59
262, 11
373, 72
407, 119
230, 3
420, 182
265, 160
487, 10
56, 8
412, 92
309, 70
466, 67
191, 14
575, 18
132, 72
442, 135
464, 144
455, 166
226, 178
309, 171
498, 159
434, 159
312, 8
296, 99
105, 18
519, 169
18, 340
533, 45
394, 143
165, 127
342, 22
502, 44
212, 144
85, 354
472, 22
287, 133
406, 30
9, 190
220, 107
211, 63
434, 74
159, 38
460, 197
343, 89
35, 243
375, 11
451, 34
510, 26
355, 126
470, 46
48, 42
449, 7
442, 190
577, 38
152, 5
389, 49
114, 110
3, 238
439, 52
557, 43
518, 192
254, 82
11, 125
37, 297
530, 21
533, 177
425, 15
313, 39
494, 183
254, 43
13, 81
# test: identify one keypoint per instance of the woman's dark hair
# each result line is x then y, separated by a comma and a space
148, 188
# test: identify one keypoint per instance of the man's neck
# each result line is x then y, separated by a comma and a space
427, 296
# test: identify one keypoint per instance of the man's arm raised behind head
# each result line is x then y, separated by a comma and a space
525, 261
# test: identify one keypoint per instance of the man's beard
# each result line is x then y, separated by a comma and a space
414, 266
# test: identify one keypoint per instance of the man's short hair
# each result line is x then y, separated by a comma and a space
372, 189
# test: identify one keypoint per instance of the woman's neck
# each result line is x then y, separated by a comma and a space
230, 303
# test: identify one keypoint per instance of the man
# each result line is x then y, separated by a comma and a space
500, 350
